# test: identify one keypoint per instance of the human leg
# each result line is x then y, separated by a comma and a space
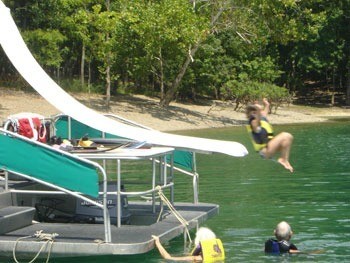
281, 143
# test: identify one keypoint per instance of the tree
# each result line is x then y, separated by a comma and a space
46, 46
76, 24
103, 40
164, 32
184, 48
255, 22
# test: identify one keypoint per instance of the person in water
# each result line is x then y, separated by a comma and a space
207, 248
283, 233
263, 138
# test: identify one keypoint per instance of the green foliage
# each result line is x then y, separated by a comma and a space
243, 93
261, 69
46, 46
74, 85
143, 45
162, 33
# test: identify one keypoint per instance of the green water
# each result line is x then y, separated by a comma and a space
255, 194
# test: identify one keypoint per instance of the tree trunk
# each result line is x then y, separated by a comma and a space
108, 67
161, 75
58, 76
348, 86
82, 66
108, 81
333, 89
169, 95
89, 82
89, 78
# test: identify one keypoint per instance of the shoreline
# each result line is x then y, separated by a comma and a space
178, 116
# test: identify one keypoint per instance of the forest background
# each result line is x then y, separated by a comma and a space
286, 50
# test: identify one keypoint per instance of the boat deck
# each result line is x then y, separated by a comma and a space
85, 239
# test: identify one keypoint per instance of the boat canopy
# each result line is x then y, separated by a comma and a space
20, 56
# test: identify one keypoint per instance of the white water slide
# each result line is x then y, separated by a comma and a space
20, 56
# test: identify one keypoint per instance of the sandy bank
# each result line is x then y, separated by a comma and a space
179, 116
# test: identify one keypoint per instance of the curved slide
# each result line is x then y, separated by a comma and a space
20, 56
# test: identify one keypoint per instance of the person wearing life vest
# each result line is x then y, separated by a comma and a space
283, 233
264, 140
207, 248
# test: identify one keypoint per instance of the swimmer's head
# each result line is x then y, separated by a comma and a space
283, 231
203, 233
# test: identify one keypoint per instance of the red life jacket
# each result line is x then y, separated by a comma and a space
30, 127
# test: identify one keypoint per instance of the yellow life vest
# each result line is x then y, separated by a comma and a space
85, 143
264, 125
212, 250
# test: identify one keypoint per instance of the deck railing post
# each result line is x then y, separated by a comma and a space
153, 184
165, 174
195, 179
172, 177
6, 180
69, 128
118, 194
106, 215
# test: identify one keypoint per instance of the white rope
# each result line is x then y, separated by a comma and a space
48, 238
173, 210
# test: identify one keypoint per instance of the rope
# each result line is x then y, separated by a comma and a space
48, 238
173, 210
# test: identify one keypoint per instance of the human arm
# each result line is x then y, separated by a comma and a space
266, 109
259, 114
254, 122
167, 256
293, 249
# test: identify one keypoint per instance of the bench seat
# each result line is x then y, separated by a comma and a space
15, 217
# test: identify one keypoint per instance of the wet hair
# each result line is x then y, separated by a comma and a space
203, 233
283, 231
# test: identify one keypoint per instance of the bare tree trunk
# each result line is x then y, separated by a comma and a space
89, 82
108, 66
108, 81
89, 78
333, 89
82, 66
169, 95
58, 75
161, 75
348, 86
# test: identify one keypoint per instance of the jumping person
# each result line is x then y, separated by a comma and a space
207, 248
263, 138
283, 233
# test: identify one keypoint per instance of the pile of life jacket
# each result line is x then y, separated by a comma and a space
30, 125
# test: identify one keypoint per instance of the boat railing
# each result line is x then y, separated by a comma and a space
191, 172
156, 155
5, 150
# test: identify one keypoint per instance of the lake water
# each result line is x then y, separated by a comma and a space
255, 194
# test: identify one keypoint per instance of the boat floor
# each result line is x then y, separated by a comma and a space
86, 239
